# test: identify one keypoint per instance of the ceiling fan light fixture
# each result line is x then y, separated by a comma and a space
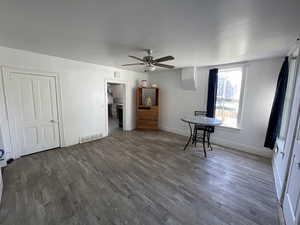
150, 68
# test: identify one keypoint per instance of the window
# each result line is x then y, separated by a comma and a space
228, 106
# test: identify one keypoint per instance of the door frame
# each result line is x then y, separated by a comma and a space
125, 105
280, 185
296, 134
7, 134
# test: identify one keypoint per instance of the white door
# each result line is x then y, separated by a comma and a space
32, 111
282, 157
291, 203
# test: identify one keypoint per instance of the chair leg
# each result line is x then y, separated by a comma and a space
208, 141
195, 140
203, 142
194, 133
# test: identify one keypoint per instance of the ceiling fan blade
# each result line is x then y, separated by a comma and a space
133, 64
163, 59
164, 65
134, 57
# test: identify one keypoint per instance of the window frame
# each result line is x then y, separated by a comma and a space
243, 68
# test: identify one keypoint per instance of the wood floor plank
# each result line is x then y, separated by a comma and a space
139, 178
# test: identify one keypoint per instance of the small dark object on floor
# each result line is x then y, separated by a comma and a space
9, 161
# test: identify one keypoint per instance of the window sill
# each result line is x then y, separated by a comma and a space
224, 127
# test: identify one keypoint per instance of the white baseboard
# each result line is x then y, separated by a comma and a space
242, 147
182, 132
234, 145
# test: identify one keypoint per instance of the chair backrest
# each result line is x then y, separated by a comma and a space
200, 113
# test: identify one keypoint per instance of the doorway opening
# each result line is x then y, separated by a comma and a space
115, 107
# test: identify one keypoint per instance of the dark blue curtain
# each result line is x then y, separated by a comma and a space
277, 107
212, 93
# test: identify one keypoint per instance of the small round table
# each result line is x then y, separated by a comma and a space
201, 121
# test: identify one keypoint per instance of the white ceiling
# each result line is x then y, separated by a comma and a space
195, 32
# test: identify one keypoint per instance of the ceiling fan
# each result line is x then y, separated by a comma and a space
150, 63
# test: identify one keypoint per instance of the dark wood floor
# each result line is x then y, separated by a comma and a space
138, 178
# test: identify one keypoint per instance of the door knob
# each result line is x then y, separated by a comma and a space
52, 121
298, 165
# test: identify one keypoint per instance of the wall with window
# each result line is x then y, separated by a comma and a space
260, 84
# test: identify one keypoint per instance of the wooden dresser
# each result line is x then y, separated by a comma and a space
147, 111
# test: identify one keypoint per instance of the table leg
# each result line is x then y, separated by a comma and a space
203, 142
195, 137
191, 135
208, 141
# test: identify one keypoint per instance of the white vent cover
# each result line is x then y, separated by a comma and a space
117, 75
189, 78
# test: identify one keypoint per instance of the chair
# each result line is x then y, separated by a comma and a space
205, 130
199, 113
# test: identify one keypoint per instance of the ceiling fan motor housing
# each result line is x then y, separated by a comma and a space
148, 59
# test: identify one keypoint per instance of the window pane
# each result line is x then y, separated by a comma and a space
228, 96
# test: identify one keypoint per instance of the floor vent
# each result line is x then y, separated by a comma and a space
90, 138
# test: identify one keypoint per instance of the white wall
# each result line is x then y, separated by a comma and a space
2, 162
83, 95
1, 142
1, 185
261, 79
82, 90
